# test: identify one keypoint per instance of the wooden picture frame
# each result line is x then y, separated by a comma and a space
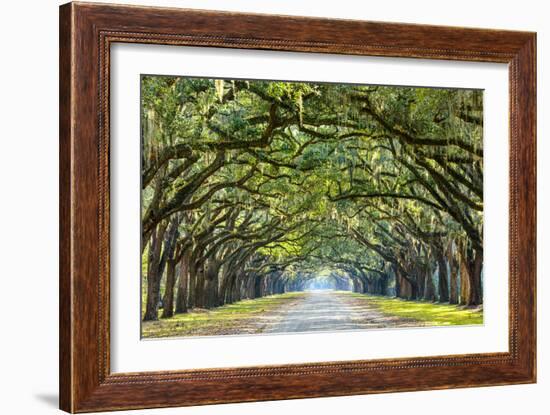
86, 33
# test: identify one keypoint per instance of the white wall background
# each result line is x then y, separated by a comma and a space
28, 207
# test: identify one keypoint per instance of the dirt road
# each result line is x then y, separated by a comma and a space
320, 310
329, 310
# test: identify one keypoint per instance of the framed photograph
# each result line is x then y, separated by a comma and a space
258, 207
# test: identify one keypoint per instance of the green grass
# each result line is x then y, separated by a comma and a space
243, 316
433, 313
226, 319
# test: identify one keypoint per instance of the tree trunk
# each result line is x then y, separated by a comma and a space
249, 285
383, 285
413, 291
406, 288
227, 286
429, 290
464, 283
211, 271
476, 294
258, 287
168, 299
183, 280
190, 289
199, 287
470, 272
398, 288
453, 265
442, 275
153, 274
356, 288
422, 274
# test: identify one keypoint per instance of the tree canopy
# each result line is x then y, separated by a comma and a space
251, 188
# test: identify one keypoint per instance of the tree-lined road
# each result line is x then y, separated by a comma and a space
310, 311
257, 188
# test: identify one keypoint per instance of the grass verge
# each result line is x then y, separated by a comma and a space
435, 314
240, 317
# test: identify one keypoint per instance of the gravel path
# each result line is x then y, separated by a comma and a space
327, 310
